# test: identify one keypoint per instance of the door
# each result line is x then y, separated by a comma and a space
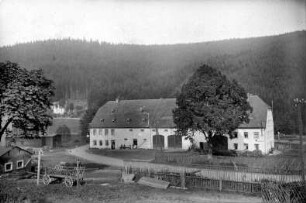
174, 141
134, 143
113, 144
158, 141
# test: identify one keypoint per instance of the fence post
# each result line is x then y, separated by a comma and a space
220, 184
183, 179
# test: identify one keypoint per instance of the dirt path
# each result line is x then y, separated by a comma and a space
82, 153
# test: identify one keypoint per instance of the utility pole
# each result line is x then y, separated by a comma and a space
299, 103
38, 167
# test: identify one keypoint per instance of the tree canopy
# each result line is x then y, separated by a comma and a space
25, 98
211, 104
271, 67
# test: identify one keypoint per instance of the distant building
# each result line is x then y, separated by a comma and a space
14, 159
63, 131
57, 108
149, 124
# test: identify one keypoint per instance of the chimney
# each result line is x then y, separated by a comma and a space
117, 100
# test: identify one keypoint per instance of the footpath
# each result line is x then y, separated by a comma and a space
82, 153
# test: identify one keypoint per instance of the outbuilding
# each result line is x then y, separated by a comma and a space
14, 158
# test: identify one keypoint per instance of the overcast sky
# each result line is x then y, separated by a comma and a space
147, 21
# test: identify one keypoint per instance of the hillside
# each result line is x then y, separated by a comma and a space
272, 67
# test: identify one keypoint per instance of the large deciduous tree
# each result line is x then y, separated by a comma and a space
25, 98
211, 104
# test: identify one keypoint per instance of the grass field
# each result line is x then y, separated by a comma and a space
126, 154
113, 192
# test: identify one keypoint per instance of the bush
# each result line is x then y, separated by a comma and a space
224, 152
255, 153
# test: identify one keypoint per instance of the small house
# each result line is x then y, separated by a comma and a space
14, 158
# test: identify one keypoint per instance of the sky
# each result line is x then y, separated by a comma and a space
147, 21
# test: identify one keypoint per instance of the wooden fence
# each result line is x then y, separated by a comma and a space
216, 173
267, 164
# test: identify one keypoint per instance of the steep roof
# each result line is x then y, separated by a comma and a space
258, 117
158, 112
73, 124
135, 114
4, 150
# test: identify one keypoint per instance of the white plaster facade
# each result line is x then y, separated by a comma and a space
102, 138
198, 138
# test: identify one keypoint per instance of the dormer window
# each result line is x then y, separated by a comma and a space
128, 120
144, 120
141, 109
114, 120
102, 120
113, 110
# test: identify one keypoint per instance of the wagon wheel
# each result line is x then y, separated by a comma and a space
68, 181
46, 179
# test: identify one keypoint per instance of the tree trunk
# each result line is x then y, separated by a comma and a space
5, 127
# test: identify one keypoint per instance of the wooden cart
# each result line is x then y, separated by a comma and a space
67, 175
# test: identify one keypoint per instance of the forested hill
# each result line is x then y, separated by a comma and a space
272, 67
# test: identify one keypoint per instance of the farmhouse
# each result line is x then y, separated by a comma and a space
14, 158
144, 123
149, 124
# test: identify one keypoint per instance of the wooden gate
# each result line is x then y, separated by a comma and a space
174, 141
158, 141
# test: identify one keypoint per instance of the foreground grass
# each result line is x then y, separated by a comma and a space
115, 192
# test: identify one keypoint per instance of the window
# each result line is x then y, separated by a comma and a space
95, 132
8, 166
112, 131
19, 164
101, 142
131, 129
106, 142
153, 130
235, 134
106, 131
246, 135
256, 135
141, 130
94, 143
235, 145
166, 130
100, 131
257, 146
246, 146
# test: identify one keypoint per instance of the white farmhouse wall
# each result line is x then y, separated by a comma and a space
197, 139
126, 136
